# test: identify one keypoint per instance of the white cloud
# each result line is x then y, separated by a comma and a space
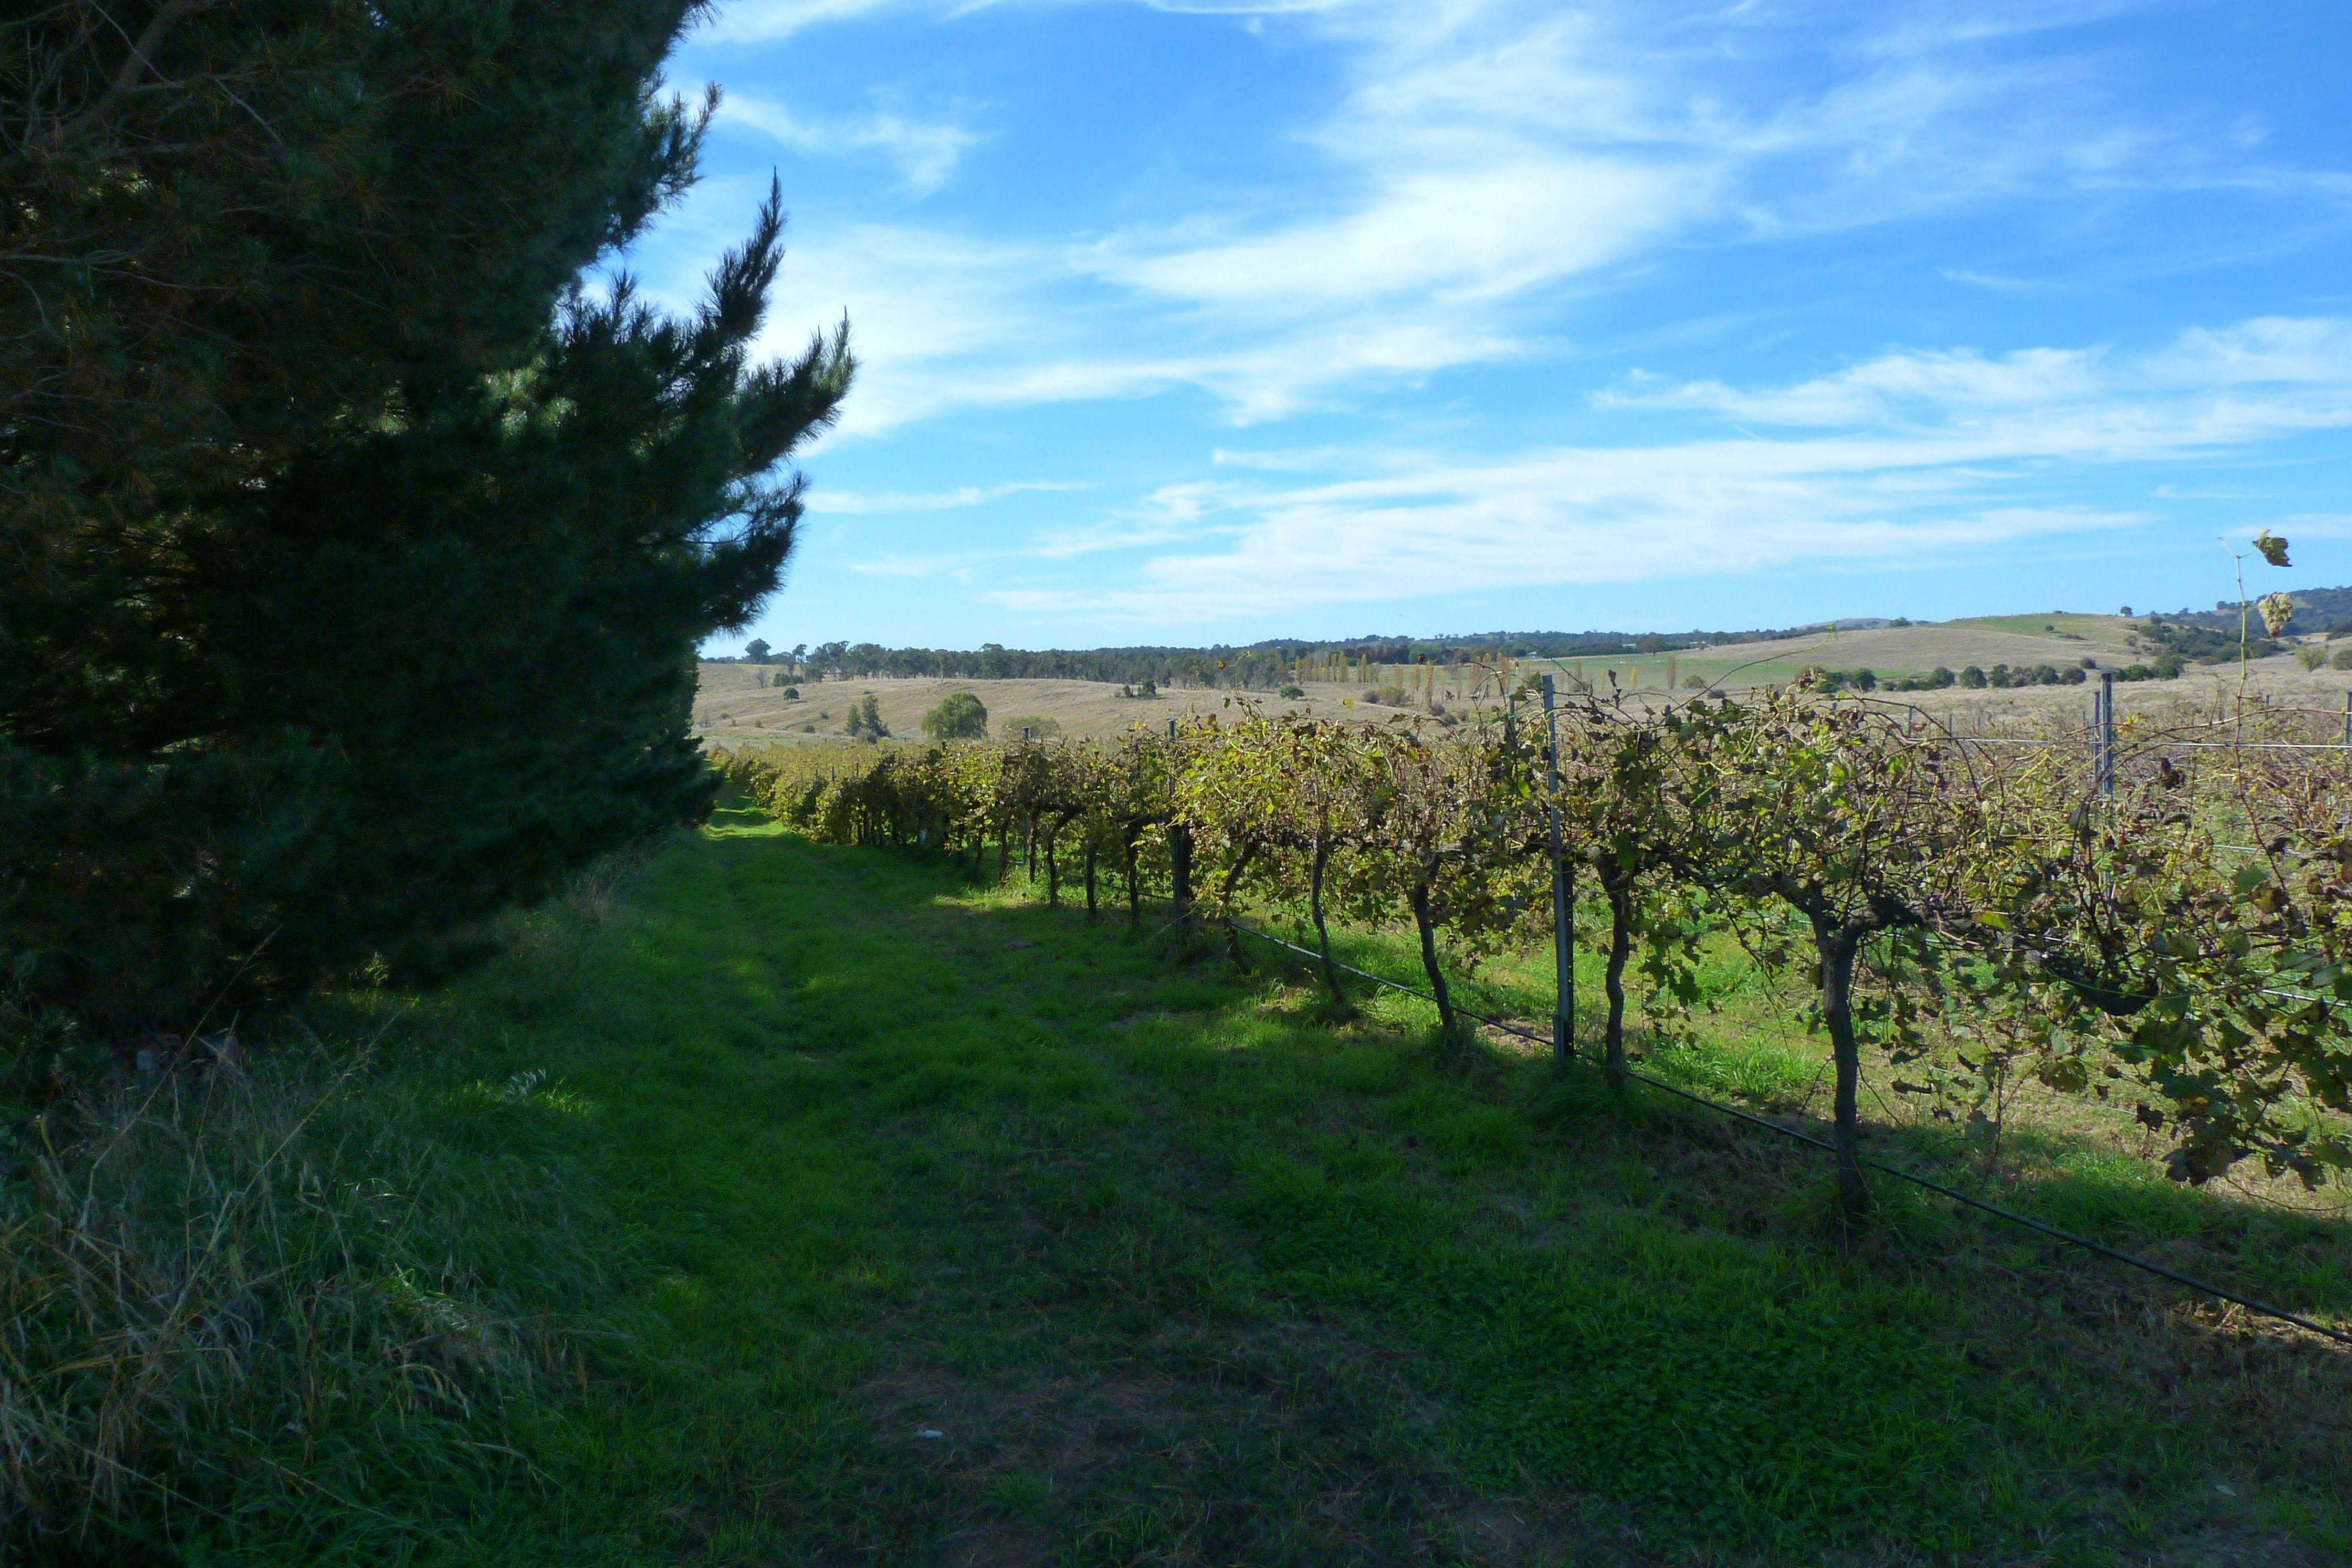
1572, 517
1478, 162
1448, 235
1995, 282
1948, 383
1905, 461
747, 21
957, 565
888, 501
925, 152
1243, 7
2083, 403
1478, 168
1179, 511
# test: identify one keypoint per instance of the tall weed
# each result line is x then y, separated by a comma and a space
234, 1301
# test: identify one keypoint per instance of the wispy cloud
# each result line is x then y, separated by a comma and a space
1184, 511
745, 21
1435, 246
1995, 282
1481, 162
925, 152
887, 501
956, 564
2083, 402
1907, 461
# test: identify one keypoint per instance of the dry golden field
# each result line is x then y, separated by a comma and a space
732, 708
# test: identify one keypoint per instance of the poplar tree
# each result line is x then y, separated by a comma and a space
353, 554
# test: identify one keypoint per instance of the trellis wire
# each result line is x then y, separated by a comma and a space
2028, 1221
2167, 744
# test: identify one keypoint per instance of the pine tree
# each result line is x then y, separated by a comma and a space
356, 555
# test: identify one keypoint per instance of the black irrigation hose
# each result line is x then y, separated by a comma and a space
2159, 1269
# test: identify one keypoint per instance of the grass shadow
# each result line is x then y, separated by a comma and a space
1179, 1273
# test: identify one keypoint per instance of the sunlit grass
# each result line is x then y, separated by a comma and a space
1178, 1270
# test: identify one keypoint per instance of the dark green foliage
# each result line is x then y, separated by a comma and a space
2189, 644
961, 716
866, 719
310, 375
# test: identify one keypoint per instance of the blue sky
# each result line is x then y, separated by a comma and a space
1190, 321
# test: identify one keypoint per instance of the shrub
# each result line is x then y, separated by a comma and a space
791, 694
2311, 656
1973, 678
960, 717
2343, 659
1936, 679
1292, 694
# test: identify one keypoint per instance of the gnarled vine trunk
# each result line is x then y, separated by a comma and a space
1621, 947
1322, 929
1448, 1024
1134, 887
1053, 836
1180, 858
1225, 901
1838, 946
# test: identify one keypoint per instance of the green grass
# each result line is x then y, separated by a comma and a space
2061, 624
1182, 1273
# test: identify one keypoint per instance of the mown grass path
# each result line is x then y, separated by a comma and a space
1178, 1272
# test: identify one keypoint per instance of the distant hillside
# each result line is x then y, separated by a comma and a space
1278, 659
1248, 665
2316, 609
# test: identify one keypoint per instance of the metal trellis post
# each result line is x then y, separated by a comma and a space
1563, 906
2107, 733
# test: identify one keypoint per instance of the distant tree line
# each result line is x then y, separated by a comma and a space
2172, 640
1265, 666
